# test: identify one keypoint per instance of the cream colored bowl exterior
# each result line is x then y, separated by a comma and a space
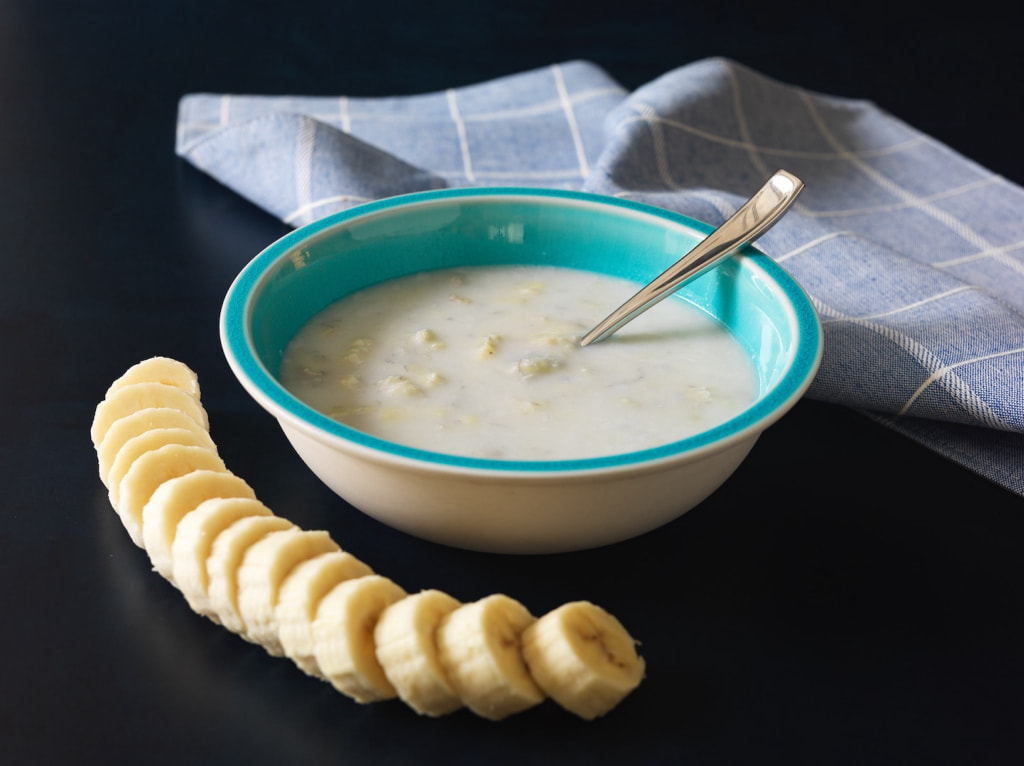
512, 513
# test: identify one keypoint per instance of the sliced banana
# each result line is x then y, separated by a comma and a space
479, 648
296, 593
145, 442
226, 556
193, 544
138, 396
159, 369
149, 471
299, 597
264, 567
175, 498
583, 658
138, 422
408, 653
343, 636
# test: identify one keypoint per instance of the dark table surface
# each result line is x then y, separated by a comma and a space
847, 597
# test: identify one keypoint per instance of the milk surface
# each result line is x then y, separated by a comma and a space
485, 362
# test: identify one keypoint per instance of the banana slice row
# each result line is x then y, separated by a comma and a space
297, 594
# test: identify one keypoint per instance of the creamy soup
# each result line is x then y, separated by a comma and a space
486, 362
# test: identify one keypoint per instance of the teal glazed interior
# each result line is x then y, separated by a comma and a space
305, 271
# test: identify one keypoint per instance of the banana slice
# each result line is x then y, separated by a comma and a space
225, 558
264, 567
149, 471
583, 658
193, 544
343, 636
148, 419
139, 396
159, 369
406, 650
145, 442
479, 648
299, 597
173, 500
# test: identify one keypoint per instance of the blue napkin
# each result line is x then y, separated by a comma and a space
912, 254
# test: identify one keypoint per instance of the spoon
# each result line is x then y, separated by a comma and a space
754, 218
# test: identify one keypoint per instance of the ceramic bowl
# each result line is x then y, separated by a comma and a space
515, 506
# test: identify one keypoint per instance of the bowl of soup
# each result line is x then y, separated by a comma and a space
421, 354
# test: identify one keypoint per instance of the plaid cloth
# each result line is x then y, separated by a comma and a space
912, 254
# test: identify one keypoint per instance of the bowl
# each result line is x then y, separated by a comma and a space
515, 506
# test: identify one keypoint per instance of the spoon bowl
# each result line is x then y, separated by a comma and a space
515, 506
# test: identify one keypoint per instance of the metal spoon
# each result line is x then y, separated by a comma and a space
749, 222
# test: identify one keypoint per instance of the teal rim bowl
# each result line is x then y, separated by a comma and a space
308, 269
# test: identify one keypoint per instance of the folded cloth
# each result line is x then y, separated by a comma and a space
912, 254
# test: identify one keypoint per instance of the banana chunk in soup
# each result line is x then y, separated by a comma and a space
486, 362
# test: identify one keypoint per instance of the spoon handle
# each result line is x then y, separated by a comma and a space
754, 218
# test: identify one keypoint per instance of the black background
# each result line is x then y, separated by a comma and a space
847, 598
